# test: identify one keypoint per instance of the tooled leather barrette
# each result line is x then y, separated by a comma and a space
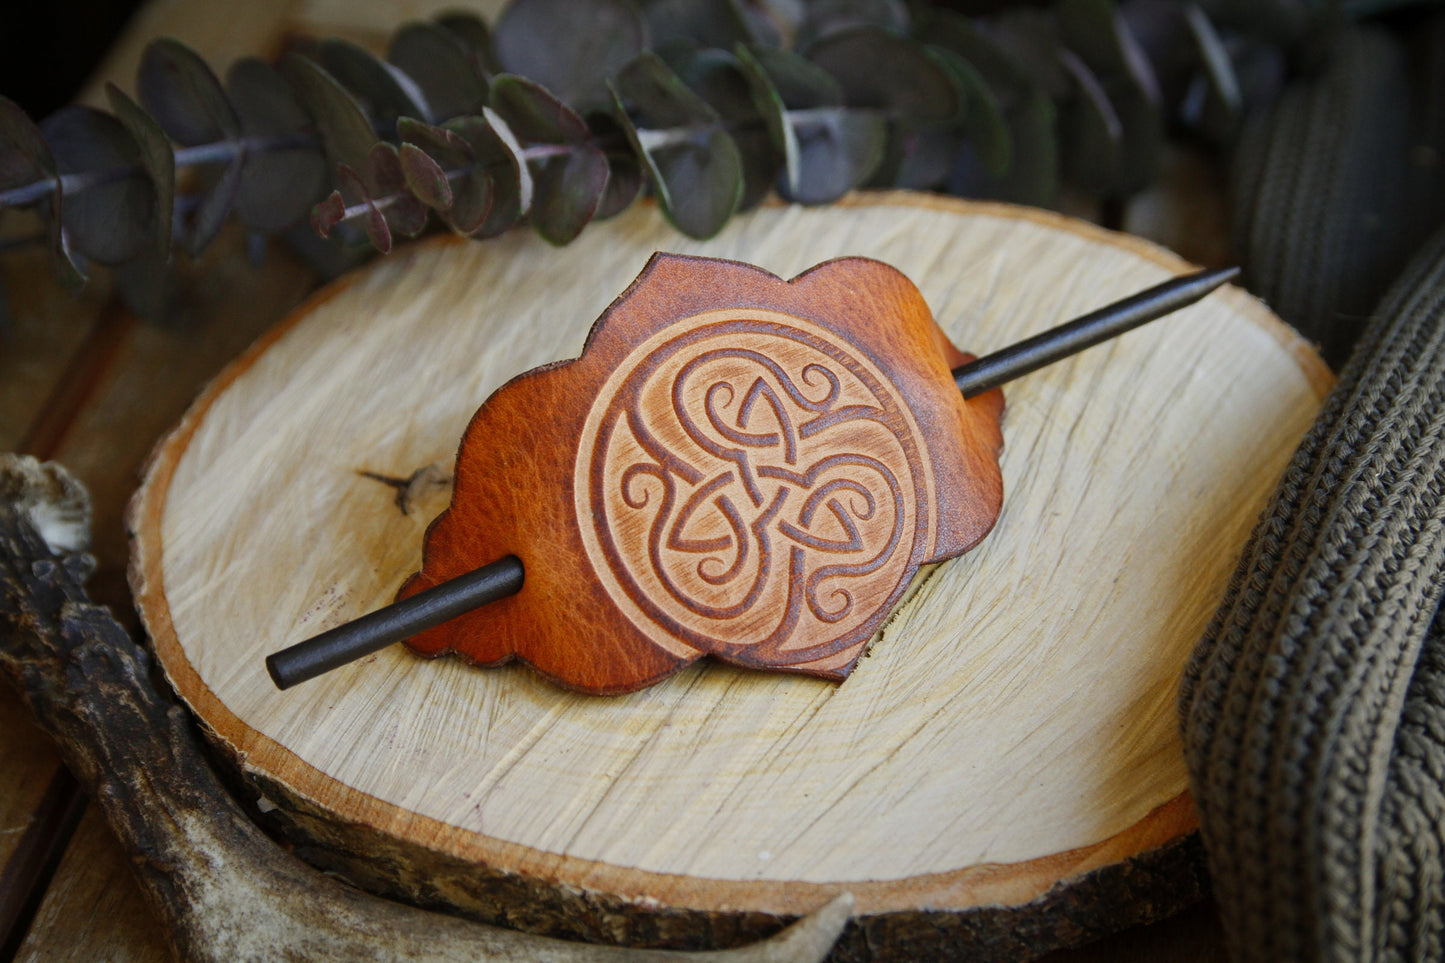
736, 466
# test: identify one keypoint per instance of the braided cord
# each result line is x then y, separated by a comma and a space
1306, 779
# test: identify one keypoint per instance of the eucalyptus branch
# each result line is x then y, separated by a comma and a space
557, 127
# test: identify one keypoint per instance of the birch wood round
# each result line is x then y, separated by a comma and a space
1001, 773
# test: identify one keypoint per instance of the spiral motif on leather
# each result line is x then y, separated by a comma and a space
750, 486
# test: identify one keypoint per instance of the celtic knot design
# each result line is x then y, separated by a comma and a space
755, 490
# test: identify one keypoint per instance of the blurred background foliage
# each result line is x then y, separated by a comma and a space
1325, 118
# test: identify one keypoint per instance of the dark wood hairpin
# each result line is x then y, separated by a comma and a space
736, 466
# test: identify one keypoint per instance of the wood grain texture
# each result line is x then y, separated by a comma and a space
93, 909
736, 466
1012, 726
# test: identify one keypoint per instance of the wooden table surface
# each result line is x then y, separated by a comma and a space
84, 383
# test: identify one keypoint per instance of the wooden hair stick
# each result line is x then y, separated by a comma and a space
646, 611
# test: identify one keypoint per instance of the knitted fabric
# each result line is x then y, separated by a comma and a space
1318, 190
1315, 758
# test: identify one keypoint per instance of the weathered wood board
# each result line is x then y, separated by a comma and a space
1011, 727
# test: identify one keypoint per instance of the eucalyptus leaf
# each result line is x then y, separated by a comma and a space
838, 148
917, 159
568, 47
346, 134
328, 213
425, 177
378, 232
1030, 39
718, 77
1159, 29
824, 18
694, 164
442, 66
1093, 136
707, 23
182, 93
1033, 176
156, 159
499, 177
799, 83
1220, 103
472, 31
513, 146
1098, 35
984, 123
110, 218
450, 179
26, 160
569, 187
384, 92
624, 172
215, 207
405, 213
533, 114
887, 72
277, 185
570, 177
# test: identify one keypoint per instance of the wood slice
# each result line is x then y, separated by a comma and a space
1001, 774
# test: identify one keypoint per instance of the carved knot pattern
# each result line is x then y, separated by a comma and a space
755, 489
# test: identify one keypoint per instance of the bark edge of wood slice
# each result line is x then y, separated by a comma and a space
1001, 774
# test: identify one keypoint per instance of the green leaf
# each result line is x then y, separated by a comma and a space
425, 178
465, 187
1220, 114
1097, 33
219, 201
384, 92
346, 134
328, 213
25, 160
534, 114
276, 186
374, 222
570, 178
895, 74
442, 67
839, 148
984, 123
472, 31
1092, 134
181, 92
405, 214
692, 161
110, 219
827, 17
1030, 40
917, 159
624, 171
500, 165
568, 47
799, 83
718, 77
156, 159
779, 81
569, 188
1032, 175
707, 23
